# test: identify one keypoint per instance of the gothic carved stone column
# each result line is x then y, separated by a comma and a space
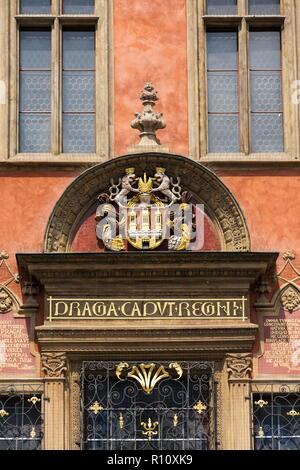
54, 367
239, 369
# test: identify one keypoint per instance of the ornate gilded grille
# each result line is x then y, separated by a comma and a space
276, 416
21, 420
147, 406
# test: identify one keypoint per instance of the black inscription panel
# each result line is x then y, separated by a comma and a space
65, 308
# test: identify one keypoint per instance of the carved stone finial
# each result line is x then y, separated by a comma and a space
288, 255
148, 122
239, 366
54, 364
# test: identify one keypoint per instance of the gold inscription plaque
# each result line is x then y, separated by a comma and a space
61, 308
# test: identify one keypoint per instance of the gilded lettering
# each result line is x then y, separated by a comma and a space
74, 308
136, 310
208, 309
171, 305
123, 306
235, 308
57, 311
162, 309
183, 309
146, 312
99, 309
112, 310
86, 310
196, 306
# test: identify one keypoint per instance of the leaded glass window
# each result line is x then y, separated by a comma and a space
266, 94
35, 7
243, 66
35, 95
57, 69
78, 92
221, 7
264, 7
78, 7
222, 79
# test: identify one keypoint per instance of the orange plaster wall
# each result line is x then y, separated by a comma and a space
270, 201
27, 200
150, 45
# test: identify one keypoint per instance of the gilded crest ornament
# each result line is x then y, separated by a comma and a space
150, 428
148, 375
140, 211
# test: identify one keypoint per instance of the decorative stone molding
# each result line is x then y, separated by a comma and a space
54, 364
204, 185
239, 366
290, 299
8, 300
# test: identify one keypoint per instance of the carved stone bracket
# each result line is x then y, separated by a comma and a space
54, 364
239, 366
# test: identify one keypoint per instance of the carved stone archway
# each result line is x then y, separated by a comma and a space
207, 188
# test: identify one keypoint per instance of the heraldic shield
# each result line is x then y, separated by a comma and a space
144, 211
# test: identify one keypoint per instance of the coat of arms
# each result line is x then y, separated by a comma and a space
144, 211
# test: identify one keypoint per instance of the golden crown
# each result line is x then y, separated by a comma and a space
129, 171
160, 170
144, 185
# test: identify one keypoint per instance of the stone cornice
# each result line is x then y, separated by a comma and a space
242, 266
208, 339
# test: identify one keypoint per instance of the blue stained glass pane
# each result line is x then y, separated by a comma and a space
223, 133
78, 133
264, 7
221, 7
78, 50
35, 91
267, 133
35, 133
265, 50
222, 51
35, 7
78, 91
78, 7
35, 50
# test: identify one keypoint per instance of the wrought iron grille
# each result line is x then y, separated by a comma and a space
276, 416
147, 406
21, 421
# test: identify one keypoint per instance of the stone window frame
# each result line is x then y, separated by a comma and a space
102, 21
197, 21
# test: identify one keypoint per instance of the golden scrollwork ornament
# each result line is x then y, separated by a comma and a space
147, 375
